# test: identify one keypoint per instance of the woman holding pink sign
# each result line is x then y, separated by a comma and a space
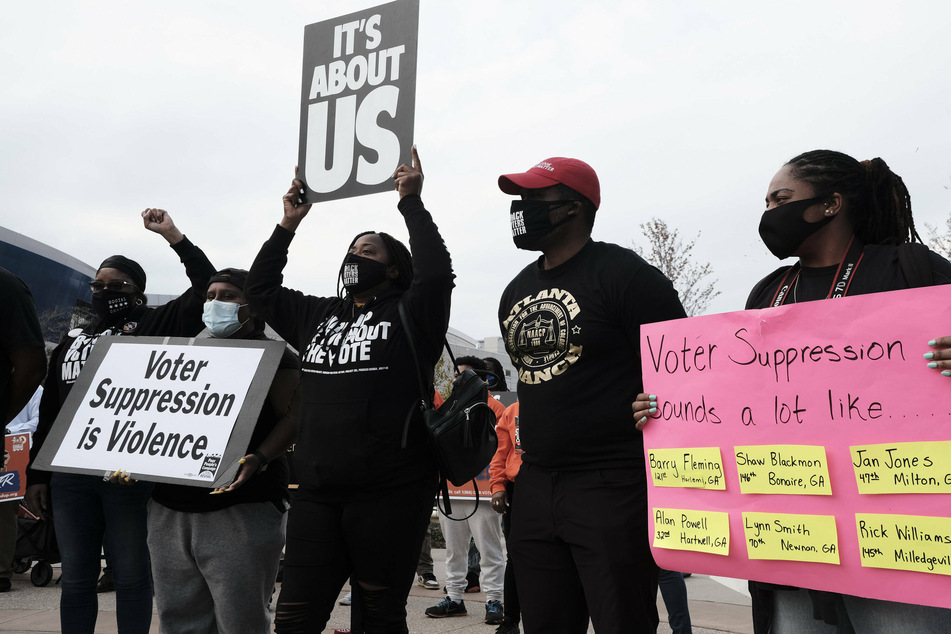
850, 224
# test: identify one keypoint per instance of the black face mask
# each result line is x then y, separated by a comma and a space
360, 274
108, 304
531, 221
783, 229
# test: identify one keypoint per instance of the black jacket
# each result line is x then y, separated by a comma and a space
180, 317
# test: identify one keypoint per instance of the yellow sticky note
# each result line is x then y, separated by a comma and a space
905, 542
700, 531
787, 537
783, 469
691, 468
903, 467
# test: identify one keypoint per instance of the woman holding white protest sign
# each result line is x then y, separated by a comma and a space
850, 224
215, 555
87, 511
366, 492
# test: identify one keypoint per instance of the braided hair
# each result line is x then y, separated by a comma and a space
879, 205
399, 257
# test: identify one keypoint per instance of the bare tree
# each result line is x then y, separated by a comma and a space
56, 321
444, 375
669, 253
940, 241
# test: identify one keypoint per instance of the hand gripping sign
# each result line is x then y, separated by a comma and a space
358, 100
807, 445
171, 410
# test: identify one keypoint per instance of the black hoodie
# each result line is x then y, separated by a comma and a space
358, 377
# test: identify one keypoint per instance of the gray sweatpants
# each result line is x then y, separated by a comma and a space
214, 572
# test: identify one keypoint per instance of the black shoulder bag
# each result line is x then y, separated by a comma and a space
461, 431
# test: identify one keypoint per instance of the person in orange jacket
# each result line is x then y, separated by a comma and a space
502, 471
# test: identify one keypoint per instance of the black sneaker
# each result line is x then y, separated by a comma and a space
508, 627
428, 581
105, 583
447, 607
493, 612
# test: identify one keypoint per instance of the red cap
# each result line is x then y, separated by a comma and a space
570, 172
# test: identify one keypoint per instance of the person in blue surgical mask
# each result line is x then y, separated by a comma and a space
215, 555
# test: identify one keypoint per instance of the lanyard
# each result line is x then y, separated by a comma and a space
843, 275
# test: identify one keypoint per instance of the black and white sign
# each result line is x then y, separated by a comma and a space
358, 101
163, 409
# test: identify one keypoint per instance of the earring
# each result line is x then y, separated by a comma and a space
138, 301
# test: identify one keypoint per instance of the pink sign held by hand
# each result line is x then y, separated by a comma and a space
807, 445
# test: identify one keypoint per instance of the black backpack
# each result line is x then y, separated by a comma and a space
461, 431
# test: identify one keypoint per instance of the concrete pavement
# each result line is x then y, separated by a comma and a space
714, 608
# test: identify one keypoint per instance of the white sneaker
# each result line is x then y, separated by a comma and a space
347, 599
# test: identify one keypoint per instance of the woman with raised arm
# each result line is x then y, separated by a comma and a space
850, 225
88, 512
366, 492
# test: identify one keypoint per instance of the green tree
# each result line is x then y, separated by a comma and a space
669, 253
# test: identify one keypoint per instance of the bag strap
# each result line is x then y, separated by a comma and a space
425, 400
445, 498
426, 403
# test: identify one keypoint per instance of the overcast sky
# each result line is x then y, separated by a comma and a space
685, 110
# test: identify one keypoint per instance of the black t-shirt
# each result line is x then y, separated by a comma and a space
573, 333
880, 269
19, 328
267, 485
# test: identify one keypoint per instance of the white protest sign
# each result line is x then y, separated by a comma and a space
167, 410
358, 101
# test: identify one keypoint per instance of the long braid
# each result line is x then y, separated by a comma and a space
879, 205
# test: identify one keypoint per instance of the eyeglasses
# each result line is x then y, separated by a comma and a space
119, 286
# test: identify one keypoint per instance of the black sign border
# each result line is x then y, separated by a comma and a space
244, 425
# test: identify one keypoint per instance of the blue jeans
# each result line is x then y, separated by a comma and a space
88, 512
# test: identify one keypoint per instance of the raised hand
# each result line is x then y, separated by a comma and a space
294, 209
159, 221
409, 179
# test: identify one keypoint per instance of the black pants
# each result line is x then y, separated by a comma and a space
580, 545
513, 609
373, 540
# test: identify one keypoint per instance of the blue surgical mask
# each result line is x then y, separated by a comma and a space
221, 318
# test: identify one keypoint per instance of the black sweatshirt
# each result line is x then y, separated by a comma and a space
881, 269
358, 377
573, 333
267, 485
181, 317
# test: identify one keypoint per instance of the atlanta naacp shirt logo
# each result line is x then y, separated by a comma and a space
538, 335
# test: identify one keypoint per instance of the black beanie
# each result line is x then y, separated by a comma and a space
127, 266
231, 276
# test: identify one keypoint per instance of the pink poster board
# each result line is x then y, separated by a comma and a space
807, 445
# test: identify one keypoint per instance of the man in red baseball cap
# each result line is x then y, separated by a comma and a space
571, 324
